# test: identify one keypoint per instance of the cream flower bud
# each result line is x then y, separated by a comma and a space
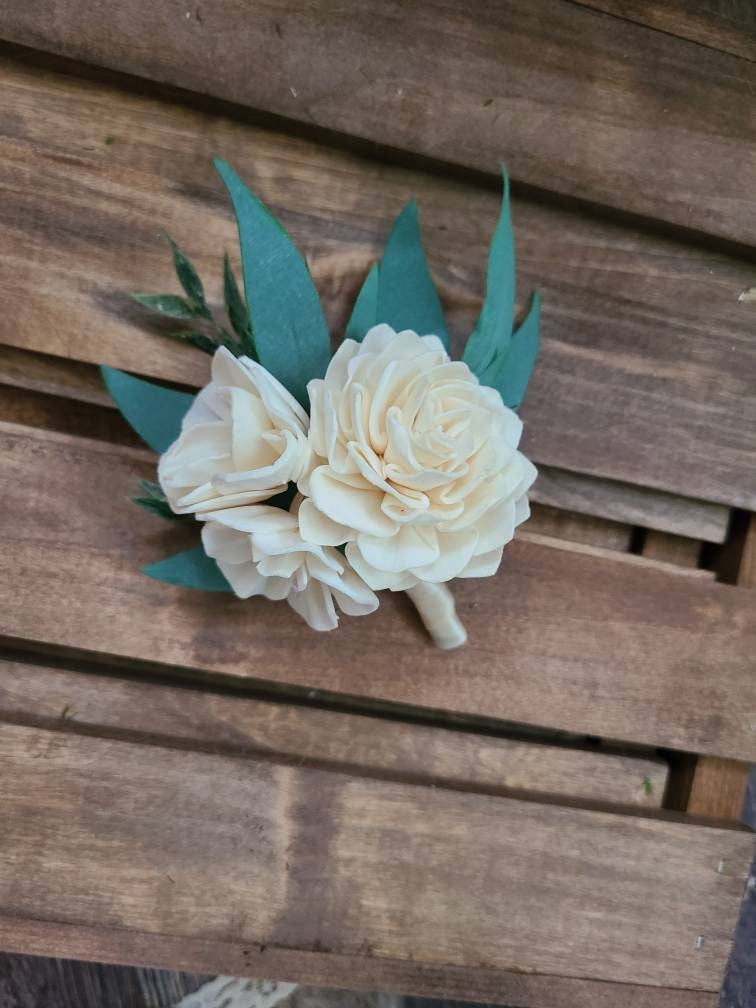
419, 469
242, 441
260, 552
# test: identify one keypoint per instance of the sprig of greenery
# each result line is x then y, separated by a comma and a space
155, 501
207, 333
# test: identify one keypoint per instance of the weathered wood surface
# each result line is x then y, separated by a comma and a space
729, 25
605, 553
636, 654
673, 549
719, 788
152, 840
575, 527
587, 496
648, 357
628, 503
574, 100
34, 693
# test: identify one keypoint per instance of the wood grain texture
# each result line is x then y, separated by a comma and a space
572, 99
636, 654
729, 25
630, 504
719, 788
672, 549
587, 496
223, 849
35, 409
320, 969
352, 743
579, 528
604, 553
648, 356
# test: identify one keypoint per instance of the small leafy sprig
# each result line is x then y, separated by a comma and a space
207, 334
154, 500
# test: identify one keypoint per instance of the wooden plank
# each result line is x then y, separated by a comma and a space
231, 956
632, 559
579, 528
516, 83
635, 505
555, 488
34, 409
636, 654
221, 849
672, 549
616, 400
353, 743
729, 25
719, 788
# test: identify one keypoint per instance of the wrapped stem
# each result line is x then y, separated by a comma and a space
435, 604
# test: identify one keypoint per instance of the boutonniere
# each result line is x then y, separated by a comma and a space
319, 478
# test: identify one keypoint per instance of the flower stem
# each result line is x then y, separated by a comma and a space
435, 604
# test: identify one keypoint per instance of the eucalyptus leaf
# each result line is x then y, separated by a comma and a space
365, 312
191, 569
494, 326
172, 305
510, 372
236, 310
189, 280
291, 336
407, 297
154, 412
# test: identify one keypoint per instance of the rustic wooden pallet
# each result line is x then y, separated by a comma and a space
547, 817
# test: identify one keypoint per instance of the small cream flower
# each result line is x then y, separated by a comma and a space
242, 441
420, 473
260, 551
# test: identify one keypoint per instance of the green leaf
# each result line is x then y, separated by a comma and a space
494, 327
236, 309
510, 372
191, 569
152, 489
158, 507
189, 280
365, 311
407, 297
291, 336
171, 305
154, 412
202, 342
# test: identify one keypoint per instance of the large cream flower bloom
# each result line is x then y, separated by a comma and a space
242, 441
419, 469
260, 552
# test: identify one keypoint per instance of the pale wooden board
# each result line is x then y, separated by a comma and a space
557, 639
574, 100
353, 743
146, 839
586, 496
648, 357
729, 25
